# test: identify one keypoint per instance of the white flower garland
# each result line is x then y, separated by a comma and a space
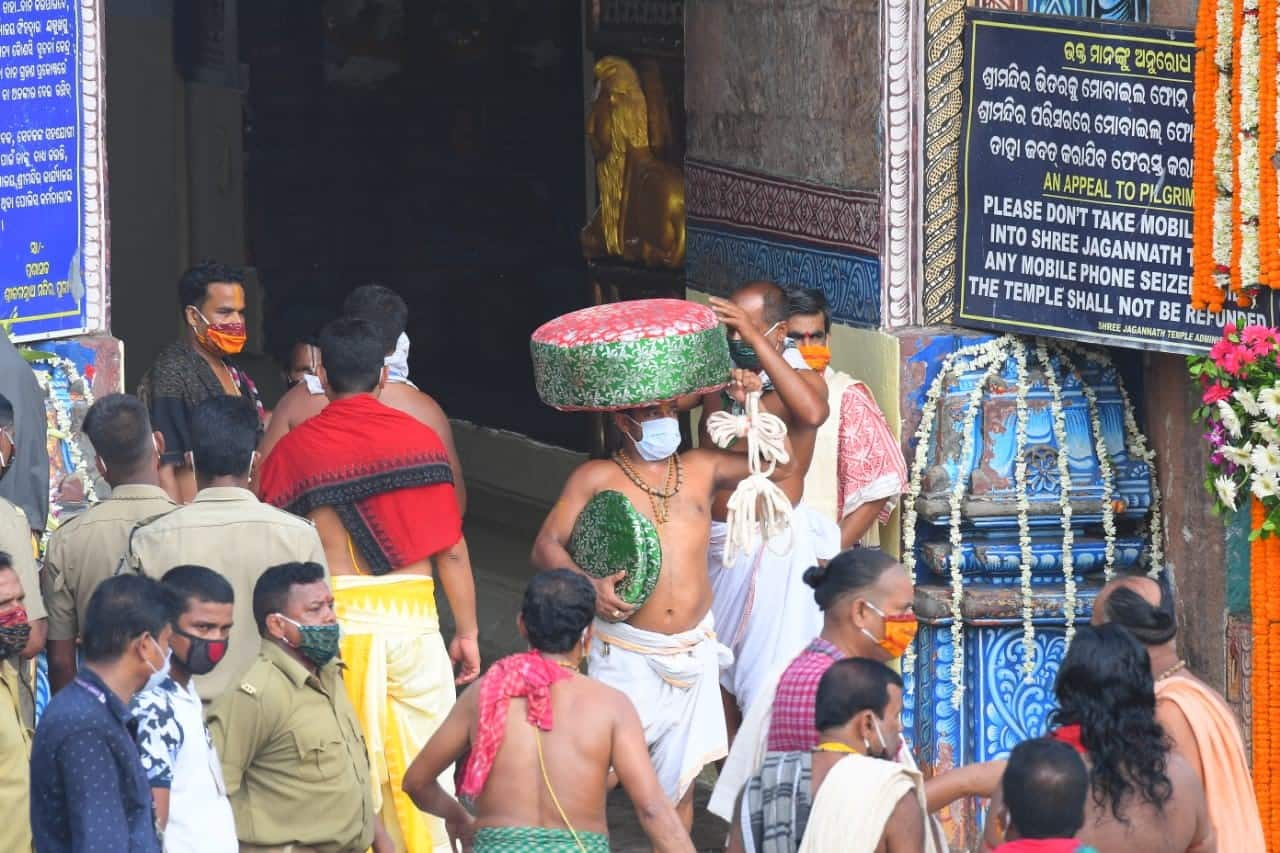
1108, 482
1136, 444
1222, 157
1064, 490
989, 358
1248, 164
1025, 556
956, 561
981, 355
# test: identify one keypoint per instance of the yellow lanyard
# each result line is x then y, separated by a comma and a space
832, 746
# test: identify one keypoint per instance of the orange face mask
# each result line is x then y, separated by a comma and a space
899, 631
817, 356
226, 338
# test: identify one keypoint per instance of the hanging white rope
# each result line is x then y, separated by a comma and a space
758, 507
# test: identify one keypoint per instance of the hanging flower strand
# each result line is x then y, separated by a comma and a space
1025, 556
964, 471
981, 355
1064, 489
1108, 482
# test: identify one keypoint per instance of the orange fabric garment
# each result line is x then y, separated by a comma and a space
1228, 787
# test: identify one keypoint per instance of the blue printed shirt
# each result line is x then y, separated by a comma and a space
89, 793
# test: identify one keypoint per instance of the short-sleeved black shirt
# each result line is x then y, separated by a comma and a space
176, 383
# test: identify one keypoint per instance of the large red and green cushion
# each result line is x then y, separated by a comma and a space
624, 355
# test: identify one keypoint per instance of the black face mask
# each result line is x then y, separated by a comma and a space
203, 655
13, 638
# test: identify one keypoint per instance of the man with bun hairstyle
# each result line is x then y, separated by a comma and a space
866, 598
1196, 718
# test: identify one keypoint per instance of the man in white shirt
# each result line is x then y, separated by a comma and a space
193, 813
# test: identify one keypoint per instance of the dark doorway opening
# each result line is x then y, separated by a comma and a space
436, 148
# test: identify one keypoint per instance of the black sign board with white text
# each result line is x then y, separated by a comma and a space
1075, 184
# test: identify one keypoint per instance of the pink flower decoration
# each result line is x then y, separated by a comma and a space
1215, 393
1258, 335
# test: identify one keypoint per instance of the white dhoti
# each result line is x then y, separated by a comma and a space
764, 611
673, 681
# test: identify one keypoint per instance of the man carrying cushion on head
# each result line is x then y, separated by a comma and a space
638, 523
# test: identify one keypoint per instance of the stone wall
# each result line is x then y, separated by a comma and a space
786, 88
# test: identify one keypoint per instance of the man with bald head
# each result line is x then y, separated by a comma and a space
762, 608
1196, 718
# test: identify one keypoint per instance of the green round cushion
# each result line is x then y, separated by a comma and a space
612, 536
629, 354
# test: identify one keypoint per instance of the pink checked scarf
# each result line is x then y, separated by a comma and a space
527, 676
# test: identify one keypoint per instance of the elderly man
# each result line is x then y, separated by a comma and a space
858, 470
88, 549
197, 366
1201, 725
292, 755
378, 485
763, 610
598, 731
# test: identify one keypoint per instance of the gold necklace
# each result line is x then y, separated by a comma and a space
657, 497
1171, 670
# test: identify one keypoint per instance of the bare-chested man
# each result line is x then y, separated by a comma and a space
1201, 724
384, 308
543, 739
664, 654
1143, 796
378, 485
763, 610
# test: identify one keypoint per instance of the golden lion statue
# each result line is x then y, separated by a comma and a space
641, 212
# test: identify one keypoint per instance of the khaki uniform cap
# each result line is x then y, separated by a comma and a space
293, 757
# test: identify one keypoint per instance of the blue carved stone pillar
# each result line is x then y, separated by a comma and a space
1003, 704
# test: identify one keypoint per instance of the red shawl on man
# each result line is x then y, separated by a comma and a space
386, 474
527, 676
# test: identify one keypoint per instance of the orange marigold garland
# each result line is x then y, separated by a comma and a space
1205, 292
1265, 604
1268, 186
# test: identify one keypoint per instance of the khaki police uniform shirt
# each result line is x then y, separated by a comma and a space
293, 757
230, 531
15, 755
89, 548
16, 541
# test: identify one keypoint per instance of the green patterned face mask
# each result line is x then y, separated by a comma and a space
319, 643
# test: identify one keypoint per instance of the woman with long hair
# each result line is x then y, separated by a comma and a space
1143, 797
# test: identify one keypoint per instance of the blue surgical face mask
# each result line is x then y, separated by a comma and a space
659, 438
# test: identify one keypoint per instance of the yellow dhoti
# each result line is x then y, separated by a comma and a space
400, 681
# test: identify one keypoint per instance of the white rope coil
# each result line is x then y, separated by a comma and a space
758, 507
